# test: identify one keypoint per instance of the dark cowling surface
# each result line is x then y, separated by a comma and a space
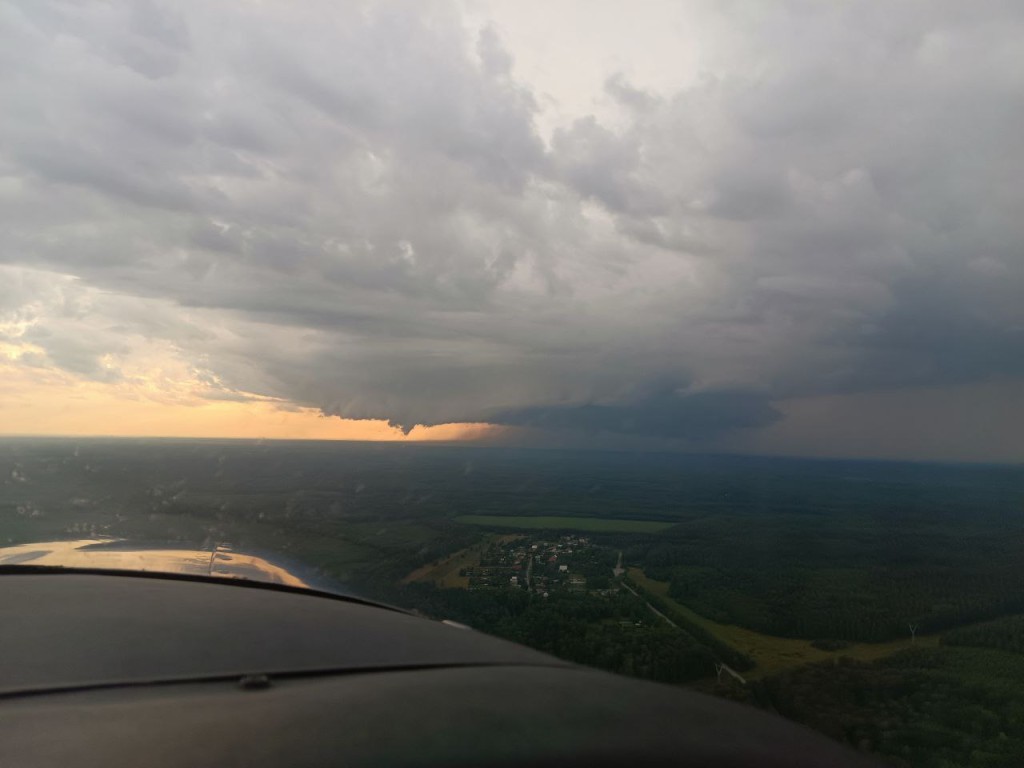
67, 630
115, 670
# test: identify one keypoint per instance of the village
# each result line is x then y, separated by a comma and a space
543, 565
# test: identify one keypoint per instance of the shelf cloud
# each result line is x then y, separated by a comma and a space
384, 213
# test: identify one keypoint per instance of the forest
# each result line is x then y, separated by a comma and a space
861, 576
928, 708
1005, 634
616, 633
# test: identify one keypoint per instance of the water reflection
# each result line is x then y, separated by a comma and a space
119, 555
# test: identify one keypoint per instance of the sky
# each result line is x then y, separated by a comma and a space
781, 228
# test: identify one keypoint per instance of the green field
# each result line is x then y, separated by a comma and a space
595, 524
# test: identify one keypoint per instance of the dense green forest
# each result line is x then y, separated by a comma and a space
617, 633
852, 576
1005, 634
928, 708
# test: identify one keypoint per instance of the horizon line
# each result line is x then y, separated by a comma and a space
478, 443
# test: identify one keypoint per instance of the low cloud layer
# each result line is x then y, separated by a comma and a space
366, 210
662, 414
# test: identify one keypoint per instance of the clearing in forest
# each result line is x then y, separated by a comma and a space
771, 653
445, 572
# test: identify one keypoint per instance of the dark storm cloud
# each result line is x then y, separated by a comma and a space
351, 206
696, 416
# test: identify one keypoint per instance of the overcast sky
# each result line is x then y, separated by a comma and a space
785, 227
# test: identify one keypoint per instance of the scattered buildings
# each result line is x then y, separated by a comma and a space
542, 565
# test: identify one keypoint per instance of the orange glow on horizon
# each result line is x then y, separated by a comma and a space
47, 402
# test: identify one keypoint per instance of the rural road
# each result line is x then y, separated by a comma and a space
654, 610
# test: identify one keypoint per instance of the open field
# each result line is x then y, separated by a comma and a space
445, 573
773, 654
541, 522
